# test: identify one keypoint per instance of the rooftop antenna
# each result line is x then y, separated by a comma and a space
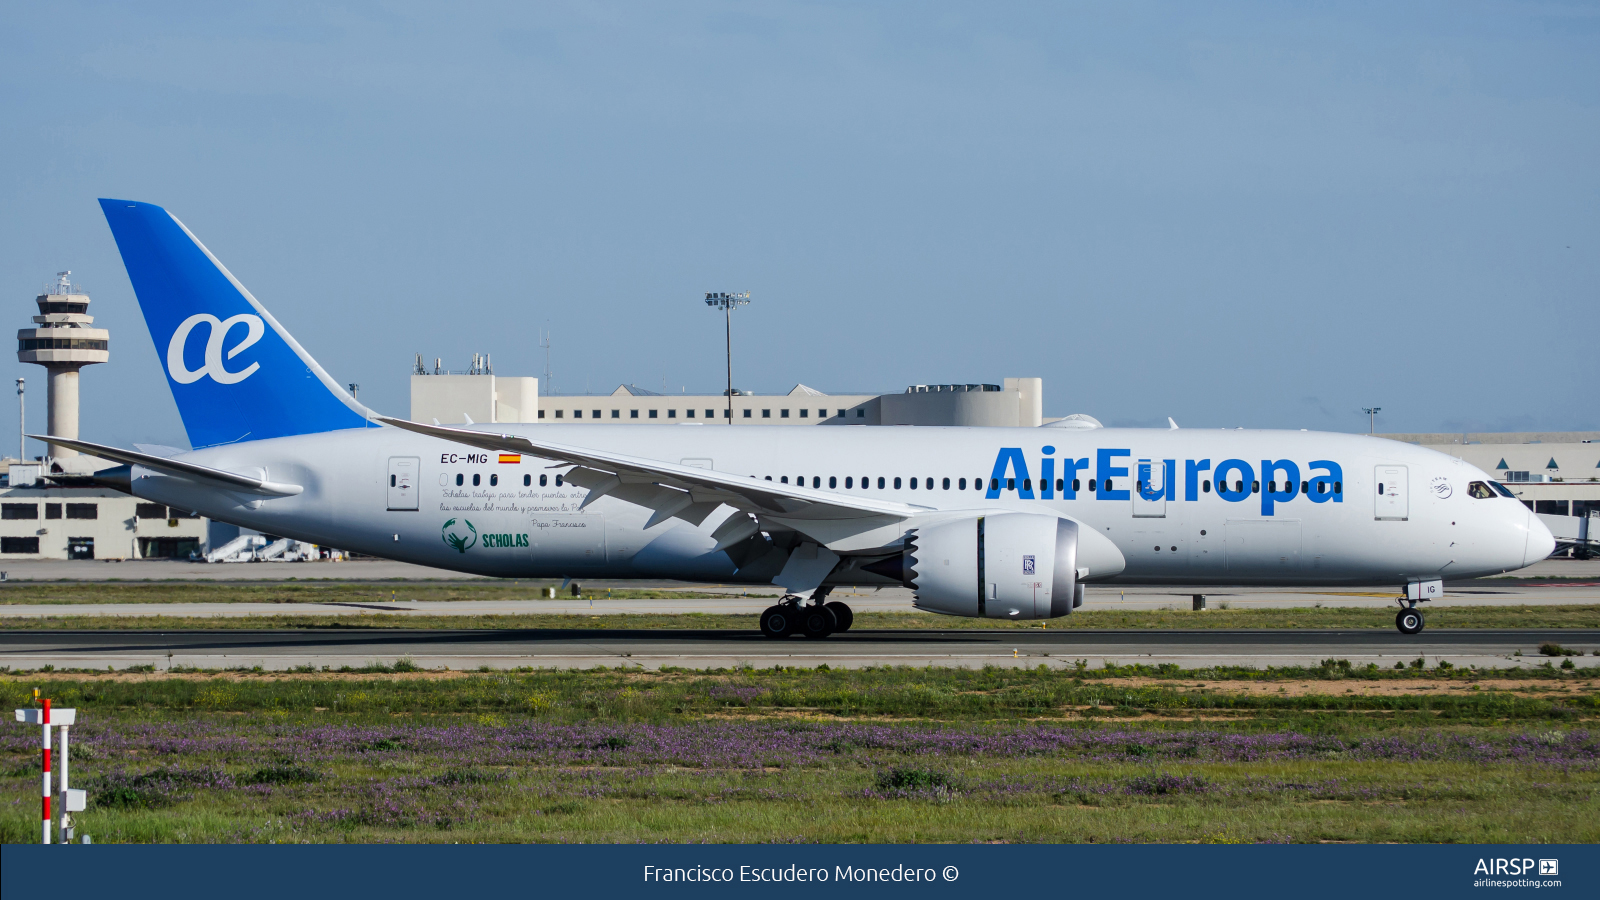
1372, 417
22, 421
549, 379
726, 302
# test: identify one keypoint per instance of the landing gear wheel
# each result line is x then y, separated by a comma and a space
818, 621
842, 615
778, 621
1409, 621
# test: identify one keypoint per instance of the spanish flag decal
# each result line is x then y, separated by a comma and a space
512, 458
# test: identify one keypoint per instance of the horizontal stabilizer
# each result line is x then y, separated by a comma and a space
220, 478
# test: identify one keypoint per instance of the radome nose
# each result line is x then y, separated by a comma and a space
1541, 543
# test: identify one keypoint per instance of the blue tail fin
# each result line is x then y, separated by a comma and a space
236, 374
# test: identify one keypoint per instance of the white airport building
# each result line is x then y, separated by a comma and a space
478, 395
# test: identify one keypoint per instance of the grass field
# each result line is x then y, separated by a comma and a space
1376, 617
1129, 753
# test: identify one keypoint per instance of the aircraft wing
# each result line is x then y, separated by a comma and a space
689, 493
230, 481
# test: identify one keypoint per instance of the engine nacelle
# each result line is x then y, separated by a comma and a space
1005, 566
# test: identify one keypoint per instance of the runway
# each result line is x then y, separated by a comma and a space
651, 649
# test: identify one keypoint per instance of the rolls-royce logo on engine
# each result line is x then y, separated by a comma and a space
1027, 565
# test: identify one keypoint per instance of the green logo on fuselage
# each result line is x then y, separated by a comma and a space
453, 536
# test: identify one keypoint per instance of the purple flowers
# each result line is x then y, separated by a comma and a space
289, 752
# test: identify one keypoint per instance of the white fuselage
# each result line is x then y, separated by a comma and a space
1424, 526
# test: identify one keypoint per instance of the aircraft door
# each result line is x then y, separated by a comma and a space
1152, 488
1393, 496
403, 482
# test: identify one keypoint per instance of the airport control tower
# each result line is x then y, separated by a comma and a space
63, 341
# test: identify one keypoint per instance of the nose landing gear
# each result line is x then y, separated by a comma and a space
814, 619
1409, 621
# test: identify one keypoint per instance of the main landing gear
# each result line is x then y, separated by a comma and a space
814, 619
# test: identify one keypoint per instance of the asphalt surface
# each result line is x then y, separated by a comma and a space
571, 648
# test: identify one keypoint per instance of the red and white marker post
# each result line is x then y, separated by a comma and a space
71, 801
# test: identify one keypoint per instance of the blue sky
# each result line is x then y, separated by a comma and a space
1260, 215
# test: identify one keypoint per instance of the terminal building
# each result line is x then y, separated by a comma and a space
478, 395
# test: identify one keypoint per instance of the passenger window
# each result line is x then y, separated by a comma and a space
1305, 487
880, 482
494, 480
913, 484
527, 481
897, 484
1338, 487
1238, 487
1011, 484
1091, 484
849, 482
1060, 484
1205, 486
947, 484
459, 478
1027, 484
391, 481
1479, 490
832, 482
544, 480
558, 481
1075, 487
994, 484
475, 481
962, 484
816, 481
784, 479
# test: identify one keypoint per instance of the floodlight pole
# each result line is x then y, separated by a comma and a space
1372, 417
726, 302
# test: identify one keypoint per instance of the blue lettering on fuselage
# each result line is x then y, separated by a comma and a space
1279, 480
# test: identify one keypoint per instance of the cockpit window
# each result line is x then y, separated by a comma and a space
1501, 489
1480, 490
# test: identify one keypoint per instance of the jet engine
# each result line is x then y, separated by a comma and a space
1003, 566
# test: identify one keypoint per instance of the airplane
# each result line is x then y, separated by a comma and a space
1007, 523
